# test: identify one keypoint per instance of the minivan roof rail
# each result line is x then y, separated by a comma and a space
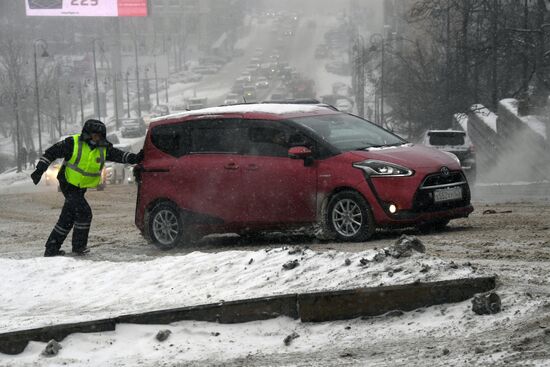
311, 101
295, 101
303, 101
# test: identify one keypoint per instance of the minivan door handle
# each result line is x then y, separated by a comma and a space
231, 166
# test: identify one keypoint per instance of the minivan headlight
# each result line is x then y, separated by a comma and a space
374, 168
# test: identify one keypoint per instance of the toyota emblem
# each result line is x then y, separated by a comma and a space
445, 171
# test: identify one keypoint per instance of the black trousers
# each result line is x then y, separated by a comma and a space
76, 215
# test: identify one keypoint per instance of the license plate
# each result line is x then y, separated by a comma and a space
448, 194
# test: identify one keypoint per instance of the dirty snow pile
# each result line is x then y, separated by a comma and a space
59, 290
44, 291
11, 177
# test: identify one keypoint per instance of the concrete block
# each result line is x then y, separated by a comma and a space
349, 304
310, 307
16, 341
224, 312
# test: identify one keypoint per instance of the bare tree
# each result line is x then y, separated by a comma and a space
465, 52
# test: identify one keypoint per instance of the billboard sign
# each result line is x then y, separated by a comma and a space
87, 8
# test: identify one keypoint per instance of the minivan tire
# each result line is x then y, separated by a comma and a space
166, 227
348, 217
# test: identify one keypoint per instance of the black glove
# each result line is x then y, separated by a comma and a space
36, 176
139, 156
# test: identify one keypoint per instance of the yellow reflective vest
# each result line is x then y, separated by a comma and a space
84, 168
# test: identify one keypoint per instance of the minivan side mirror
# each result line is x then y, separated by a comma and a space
302, 153
299, 153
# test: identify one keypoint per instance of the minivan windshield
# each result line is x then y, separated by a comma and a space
347, 132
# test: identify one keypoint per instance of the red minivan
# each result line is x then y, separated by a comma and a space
259, 167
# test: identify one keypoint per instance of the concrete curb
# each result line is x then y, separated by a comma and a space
309, 307
349, 304
225, 313
15, 342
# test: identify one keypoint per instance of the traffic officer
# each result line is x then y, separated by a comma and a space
84, 157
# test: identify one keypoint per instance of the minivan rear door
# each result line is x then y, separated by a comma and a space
209, 176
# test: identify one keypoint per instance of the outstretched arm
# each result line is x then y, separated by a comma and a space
62, 149
119, 156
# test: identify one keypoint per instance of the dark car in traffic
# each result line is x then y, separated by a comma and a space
133, 127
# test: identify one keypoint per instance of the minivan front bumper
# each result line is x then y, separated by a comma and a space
414, 199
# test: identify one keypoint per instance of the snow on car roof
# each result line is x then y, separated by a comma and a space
446, 131
266, 108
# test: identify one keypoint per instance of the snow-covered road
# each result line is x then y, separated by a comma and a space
124, 273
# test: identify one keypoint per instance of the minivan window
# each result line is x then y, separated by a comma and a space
347, 132
217, 136
267, 138
171, 139
268, 141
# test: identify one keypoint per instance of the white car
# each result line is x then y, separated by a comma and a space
344, 105
50, 177
232, 98
262, 83
114, 173
178, 108
458, 143
118, 173
196, 103
191, 78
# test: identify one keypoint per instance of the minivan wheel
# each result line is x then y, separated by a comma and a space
348, 217
166, 227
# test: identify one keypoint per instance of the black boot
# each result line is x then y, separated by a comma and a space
81, 251
53, 246
50, 252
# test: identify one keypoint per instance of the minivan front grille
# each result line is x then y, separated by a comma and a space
424, 200
438, 179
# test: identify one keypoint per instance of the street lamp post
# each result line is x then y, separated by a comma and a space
115, 93
128, 92
95, 80
156, 81
146, 89
36, 93
378, 40
81, 102
17, 133
359, 74
137, 77
166, 90
58, 99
